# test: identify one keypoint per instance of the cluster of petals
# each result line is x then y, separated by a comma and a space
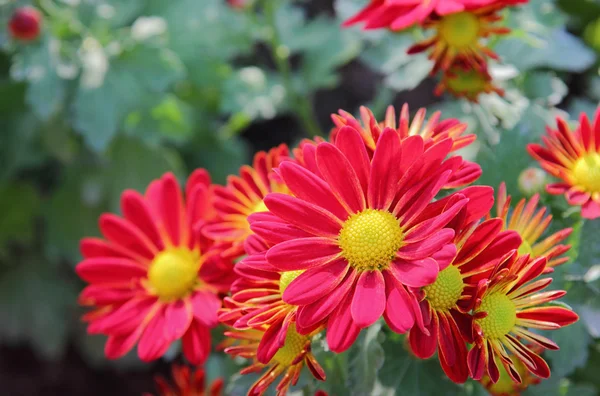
574, 158
531, 222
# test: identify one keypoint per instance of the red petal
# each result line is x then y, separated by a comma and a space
304, 215
368, 302
109, 270
301, 254
196, 343
385, 176
178, 316
351, 144
154, 343
341, 330
315, 283
416, 273
205, 306
339, 174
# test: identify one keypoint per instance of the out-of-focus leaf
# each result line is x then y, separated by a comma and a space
573, 352
35, 306
540, 40
411, 376
37, 65
72, 211
133, 165
21, 206
544, 86
388, 55
220, 157
365, 358
203, 31
254, 92
168, 117
582, 105
99, 110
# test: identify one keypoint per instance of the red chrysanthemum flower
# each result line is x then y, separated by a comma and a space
432, 131
370, 231
505, 385
401, 14
461, 36
448, 300
464, 81
244, 195
506, 306
154, 279
256, 301
531, 224
187, 383
25, 24
573, 157
287, 362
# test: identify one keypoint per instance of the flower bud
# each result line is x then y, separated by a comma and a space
532, 181
25, 24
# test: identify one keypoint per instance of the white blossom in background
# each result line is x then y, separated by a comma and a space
94, 63
146, 27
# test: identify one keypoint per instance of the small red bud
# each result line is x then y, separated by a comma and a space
25, 24
238, 4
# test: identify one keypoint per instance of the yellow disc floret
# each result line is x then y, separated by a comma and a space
174, 272
460, 30
294, 345
260, 207
446, 290
586, 172
501, 315
370, 239
287, 278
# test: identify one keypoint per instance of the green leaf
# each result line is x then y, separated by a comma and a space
220, 157
17, 223
36, 64
411, 376
35, 307
141, 72
133, 165
254, 92
573, 352
366, 358
73, 210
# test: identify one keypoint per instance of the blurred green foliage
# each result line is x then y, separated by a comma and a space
116, 92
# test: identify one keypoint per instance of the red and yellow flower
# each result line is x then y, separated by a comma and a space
506, 386
154, 278
432, 132
573, 157
244, 195
256, 302
447, 301
367, 231
401, 14
506, 306
531, 224
187, 382
288, 362
461, 35
464, 81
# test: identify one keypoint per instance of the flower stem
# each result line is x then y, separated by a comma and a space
301, 104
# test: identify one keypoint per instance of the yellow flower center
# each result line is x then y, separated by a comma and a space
587, 172
446, 290
525, 248
466, 82
459, 30
370, 239
260, 207
293, 346
501, 315
174, 272
287, 278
